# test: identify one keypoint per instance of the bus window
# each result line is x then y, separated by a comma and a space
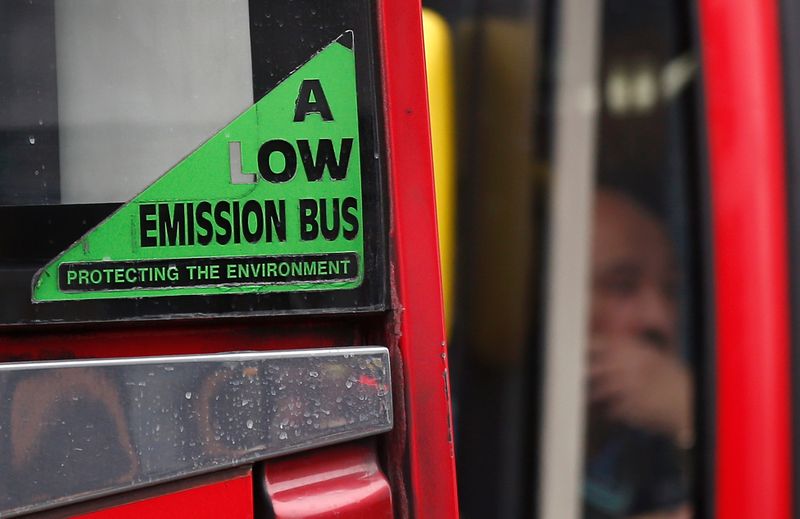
640, 332
577, 327
101, 101
133, 99
123, 92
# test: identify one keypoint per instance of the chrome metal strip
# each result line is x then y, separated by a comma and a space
74, 430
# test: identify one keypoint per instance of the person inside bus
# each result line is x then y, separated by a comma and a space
640, 423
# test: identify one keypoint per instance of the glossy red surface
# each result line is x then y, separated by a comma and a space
741, 62
416, 262
169, 338
344, 482
421, 447
232, 498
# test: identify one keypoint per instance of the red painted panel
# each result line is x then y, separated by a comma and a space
418, 295
230, 499
416, 326
171, 338
344, 482
741, 60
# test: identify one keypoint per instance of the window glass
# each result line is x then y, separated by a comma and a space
140, 85
790, 51
633, 305
124, 91
99, 98
642, 322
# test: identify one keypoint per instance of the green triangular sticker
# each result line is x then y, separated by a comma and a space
271, 203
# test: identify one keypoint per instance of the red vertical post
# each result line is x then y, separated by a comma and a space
417, 278
741, 62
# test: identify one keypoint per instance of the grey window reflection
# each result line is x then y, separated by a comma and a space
141, 85
98, 98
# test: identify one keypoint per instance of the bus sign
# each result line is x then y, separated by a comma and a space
271, 203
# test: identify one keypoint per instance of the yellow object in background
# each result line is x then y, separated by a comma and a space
439, 64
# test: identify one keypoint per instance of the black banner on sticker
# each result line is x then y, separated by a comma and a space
206, 272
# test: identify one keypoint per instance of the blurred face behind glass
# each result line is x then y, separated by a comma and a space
636, 376
634, 275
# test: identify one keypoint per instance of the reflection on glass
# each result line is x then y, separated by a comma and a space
141, 85
640, 389
99, 98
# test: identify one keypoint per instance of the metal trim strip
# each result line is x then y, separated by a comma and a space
78, 429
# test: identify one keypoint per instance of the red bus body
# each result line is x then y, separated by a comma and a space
407, 472
741, 59
410, 471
